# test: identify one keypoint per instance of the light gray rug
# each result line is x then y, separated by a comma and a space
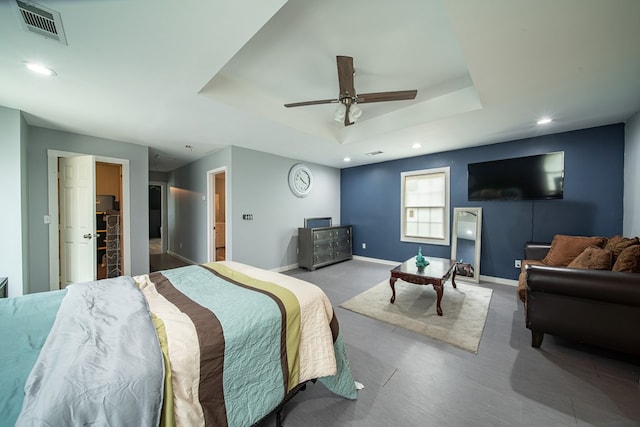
464, 310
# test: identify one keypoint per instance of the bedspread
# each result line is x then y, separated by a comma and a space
235, 340
255, 340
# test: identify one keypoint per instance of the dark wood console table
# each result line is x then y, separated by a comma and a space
436, 273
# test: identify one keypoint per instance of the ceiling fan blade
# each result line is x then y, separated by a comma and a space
320, 101
345, 75
399, 95
347, 121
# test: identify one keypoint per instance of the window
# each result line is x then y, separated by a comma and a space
425, 206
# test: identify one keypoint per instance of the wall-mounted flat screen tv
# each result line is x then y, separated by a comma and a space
521, 178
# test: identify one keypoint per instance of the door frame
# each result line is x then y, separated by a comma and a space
164, 244
211, 214
125, 207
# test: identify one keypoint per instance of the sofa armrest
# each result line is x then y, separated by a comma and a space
600, 285
536, 251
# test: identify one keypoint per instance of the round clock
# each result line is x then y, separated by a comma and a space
300, 180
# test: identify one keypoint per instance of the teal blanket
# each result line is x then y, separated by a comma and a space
24, 325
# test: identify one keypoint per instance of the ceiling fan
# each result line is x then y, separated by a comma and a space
347, 97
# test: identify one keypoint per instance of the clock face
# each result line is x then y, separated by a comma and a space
300, 180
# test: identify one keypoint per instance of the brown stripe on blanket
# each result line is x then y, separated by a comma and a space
211, 340
283, 325
335, 327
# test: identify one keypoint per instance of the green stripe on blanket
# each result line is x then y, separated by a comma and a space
291, 310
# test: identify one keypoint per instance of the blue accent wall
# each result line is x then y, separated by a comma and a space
592, 203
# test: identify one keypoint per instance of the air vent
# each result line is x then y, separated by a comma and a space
41, 20
374, 153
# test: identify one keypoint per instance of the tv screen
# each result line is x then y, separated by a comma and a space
522, 178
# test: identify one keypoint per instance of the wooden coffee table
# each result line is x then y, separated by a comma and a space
436, 274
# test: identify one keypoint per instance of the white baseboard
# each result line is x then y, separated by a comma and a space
180, 257
285, 268
378, 260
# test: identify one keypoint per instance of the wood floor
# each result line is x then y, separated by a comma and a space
162, 261
411, 380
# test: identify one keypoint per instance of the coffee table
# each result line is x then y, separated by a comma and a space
436, 273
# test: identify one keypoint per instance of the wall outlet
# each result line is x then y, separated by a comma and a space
364, 246
517, 263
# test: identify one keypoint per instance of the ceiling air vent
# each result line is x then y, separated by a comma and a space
41, 20
374, 153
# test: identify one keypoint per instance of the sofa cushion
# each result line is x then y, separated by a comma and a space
617, 244
628, 260
565, 248
593, 258
522, 279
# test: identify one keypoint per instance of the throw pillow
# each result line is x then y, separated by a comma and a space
628, 260
617, 244
593, 258
565, 248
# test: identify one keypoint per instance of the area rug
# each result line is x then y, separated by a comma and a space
464, 310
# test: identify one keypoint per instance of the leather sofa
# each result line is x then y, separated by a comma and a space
596, 307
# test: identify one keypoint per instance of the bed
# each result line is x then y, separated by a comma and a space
218, 344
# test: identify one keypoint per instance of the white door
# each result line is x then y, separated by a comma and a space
77, 219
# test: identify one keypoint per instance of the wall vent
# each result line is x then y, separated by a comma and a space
41, 20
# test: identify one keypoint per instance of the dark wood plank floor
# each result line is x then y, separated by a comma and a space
159, 262
412, 380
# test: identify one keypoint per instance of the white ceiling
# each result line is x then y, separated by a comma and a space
208, 74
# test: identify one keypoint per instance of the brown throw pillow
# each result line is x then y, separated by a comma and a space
617, 244
593, 258
628, 260
565, 248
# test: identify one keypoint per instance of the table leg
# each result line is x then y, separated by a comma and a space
392, 283
453, 278
439, 292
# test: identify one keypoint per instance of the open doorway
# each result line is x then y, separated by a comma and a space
65, 265
217, 215
156, 241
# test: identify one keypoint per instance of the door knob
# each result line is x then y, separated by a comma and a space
88, 236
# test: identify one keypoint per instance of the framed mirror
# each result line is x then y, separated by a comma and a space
465, 242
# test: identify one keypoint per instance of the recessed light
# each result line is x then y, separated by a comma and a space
416, 145
545, 120
347, 159
40, 69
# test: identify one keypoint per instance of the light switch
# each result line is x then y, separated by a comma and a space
47, 219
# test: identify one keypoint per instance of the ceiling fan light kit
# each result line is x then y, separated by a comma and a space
348, 110
340, 112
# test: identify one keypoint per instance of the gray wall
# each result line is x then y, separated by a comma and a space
159, 176
258, 185
631, 222
13, 214
41, 140
187, 212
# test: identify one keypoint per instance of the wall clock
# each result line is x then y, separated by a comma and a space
300, 180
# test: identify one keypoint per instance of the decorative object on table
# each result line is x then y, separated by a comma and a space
421, 262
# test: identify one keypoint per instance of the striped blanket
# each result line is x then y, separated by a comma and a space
239, 338
235, 340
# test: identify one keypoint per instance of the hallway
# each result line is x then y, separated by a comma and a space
162, 261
